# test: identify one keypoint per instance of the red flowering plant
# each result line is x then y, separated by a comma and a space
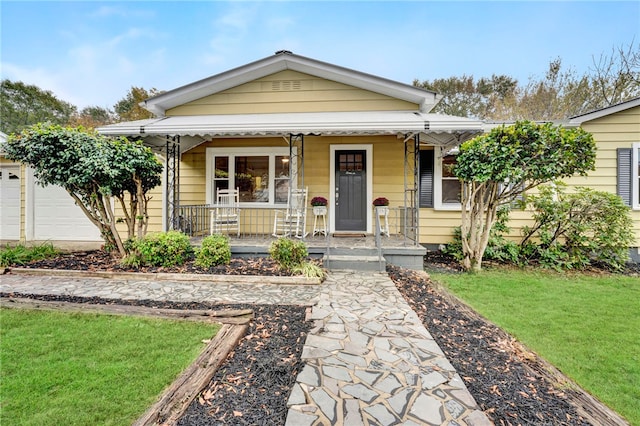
380, 201
318, 201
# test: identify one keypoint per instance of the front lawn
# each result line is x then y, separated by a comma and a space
87, 369
587, 326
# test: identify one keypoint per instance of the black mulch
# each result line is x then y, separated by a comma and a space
99, 260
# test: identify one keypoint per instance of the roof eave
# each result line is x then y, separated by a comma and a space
579, 119
282, 61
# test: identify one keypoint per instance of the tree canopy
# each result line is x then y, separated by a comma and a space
129, 109
92, 169
561, 93
22, 105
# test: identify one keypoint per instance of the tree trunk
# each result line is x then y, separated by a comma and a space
479, 209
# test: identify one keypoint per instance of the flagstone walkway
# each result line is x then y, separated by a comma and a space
368, 359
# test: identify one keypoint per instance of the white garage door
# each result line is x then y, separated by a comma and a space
56, 217
9, 203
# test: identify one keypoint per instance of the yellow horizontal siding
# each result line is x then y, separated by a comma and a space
290, 91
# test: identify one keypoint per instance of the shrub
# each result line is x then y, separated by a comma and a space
215, 251
288, 253
575, 229
21, 255
166, 249
309, 270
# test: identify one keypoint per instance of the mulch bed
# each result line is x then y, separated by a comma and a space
99, 260
509, 383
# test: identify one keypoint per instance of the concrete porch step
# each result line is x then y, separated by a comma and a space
341, 262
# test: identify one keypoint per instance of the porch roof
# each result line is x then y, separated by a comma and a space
433, 128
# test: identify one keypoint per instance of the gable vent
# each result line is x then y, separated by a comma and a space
286, 85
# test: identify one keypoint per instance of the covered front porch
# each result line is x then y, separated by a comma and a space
340, 251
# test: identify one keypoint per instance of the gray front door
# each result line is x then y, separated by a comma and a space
351, 190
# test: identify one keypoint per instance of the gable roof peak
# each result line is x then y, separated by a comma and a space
286, 60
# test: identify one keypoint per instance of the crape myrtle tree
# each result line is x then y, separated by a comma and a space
498, 167
93, 169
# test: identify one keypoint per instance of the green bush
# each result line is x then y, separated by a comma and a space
572, 230
215, 251
288, 253
21, 254
166, 249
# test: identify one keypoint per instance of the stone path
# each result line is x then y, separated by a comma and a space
369, 360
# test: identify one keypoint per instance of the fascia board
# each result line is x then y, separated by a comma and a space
605, 111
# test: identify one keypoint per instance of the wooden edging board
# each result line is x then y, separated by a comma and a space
175, 400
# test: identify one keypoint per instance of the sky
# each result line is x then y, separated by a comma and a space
90, 53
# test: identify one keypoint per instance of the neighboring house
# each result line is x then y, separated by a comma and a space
32, 213
616, 130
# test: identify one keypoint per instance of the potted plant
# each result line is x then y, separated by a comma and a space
381, 205
319, 205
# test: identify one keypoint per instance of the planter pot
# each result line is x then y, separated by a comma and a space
319, 210
382, 210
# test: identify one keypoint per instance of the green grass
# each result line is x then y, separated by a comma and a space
587, 326
89, 369
21, 254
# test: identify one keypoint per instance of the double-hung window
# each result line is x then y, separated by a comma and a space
260, 174
439, 187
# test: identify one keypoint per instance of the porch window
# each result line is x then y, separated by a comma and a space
261, 174
447, 192
451, 185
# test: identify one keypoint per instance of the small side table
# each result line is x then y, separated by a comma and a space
319, 220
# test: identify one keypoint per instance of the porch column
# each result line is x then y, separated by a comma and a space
172, 179
411, 195
298, 171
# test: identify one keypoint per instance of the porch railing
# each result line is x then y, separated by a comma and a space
194, 220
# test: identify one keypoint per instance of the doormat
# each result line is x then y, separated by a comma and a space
350, 235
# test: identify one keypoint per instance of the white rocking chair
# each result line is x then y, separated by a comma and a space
225, 216
293, 220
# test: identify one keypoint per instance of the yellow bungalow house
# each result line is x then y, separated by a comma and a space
287, 122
